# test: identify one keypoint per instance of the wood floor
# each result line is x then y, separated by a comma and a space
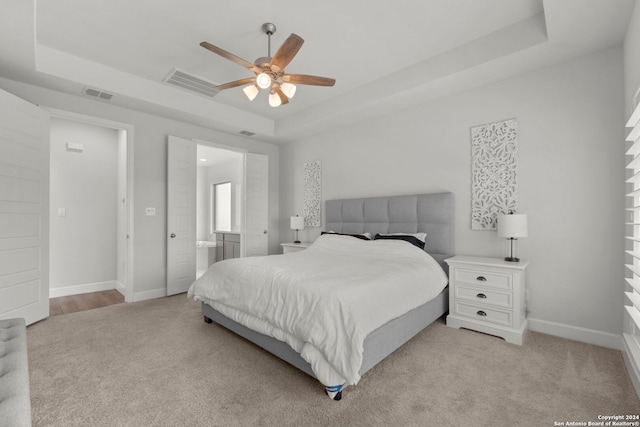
74, 303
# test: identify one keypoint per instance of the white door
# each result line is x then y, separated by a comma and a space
181, 215
24, 209
256, 238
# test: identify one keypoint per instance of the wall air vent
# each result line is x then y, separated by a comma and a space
97, 93
192, 83
246, 133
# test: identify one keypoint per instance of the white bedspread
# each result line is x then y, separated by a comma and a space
325, 300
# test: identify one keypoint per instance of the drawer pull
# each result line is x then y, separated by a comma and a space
481, 313
481, 279
482, 296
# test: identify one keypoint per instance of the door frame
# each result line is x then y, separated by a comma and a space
97, 121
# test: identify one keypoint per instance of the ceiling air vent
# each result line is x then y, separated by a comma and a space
97, 93
246, 133
192, 83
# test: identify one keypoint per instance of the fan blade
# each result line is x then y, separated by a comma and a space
236, 83
287, 51
303, 79
283, 97
231, 57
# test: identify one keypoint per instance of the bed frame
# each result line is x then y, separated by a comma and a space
429, 213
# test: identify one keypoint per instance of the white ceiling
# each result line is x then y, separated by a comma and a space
211, 156
385, 56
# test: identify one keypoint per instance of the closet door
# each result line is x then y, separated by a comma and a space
256, 235
181, 215
24, 209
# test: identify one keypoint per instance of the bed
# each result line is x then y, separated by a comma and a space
429, 213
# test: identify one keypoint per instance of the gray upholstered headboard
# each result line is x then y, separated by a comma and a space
428, 213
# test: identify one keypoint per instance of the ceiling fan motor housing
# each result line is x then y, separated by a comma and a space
269, 28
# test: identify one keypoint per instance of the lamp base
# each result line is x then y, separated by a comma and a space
296, 241
512, 259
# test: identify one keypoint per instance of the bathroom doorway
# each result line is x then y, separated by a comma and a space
219, 184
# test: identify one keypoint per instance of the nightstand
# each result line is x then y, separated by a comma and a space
488, 295
287, 248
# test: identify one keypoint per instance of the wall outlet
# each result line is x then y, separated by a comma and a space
62, 212
151, 211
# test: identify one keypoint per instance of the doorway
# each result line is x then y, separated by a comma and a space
219, 197
90, 209
250, 235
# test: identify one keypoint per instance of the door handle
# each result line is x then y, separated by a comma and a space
265, 232
173, 235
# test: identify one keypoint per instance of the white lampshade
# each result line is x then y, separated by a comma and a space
297, 222
274, 99
288, 89
512, 226
251, 92
263, 80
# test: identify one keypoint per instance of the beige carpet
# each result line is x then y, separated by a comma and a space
156, 363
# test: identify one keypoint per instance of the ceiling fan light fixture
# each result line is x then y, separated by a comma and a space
251, 91
263, 80
274, 99
288, 89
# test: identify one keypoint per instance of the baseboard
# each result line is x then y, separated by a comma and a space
120, 288
589, 336
83, 289
631, 354
154, 293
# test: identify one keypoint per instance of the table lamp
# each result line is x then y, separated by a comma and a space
297, 223
512, 226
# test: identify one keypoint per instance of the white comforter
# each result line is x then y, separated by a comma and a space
325, 300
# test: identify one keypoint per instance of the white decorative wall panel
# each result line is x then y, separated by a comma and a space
494, 172
312, 193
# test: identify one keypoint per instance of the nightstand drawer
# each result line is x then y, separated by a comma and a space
482, 278
485, 314
484, 296
288, 248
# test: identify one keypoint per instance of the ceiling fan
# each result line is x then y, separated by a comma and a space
269, 71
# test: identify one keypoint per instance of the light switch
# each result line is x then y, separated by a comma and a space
75, 147
151, 211
62, 212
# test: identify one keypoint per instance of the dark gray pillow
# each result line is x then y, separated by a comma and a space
365, 236
406, 237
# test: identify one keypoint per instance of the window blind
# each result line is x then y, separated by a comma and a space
633, 226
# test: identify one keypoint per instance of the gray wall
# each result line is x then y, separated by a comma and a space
202, 205
632, 60
570, 181
83, 243
229, 171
